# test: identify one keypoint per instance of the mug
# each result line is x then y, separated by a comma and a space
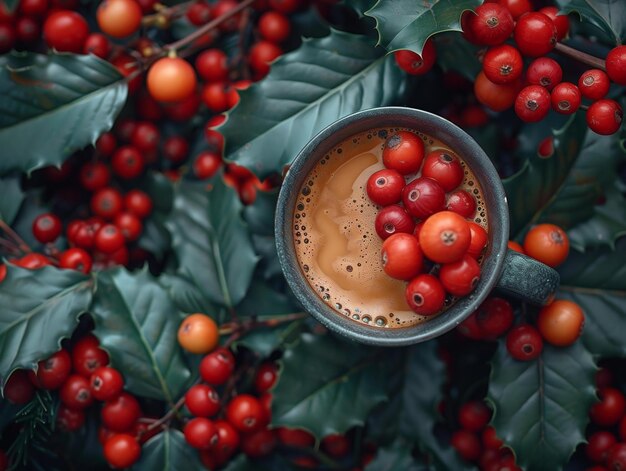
508, 271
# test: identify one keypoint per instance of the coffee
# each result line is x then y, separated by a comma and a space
335, 241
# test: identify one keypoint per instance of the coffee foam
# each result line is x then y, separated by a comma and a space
335, 241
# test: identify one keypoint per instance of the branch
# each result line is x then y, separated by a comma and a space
580, 56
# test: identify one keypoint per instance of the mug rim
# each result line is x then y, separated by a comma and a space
495, 200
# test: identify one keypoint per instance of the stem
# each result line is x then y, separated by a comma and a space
23, 246
271, 321
580, 56
9, 246
167, 417
207, 27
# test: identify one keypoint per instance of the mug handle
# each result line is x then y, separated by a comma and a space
527, 279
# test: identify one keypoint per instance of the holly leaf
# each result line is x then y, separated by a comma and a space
260, 218
407, 24
11, 198
212, 241
532, 188
136, 323
416, 392
187, 296
456, 54
541, 406
38, 308
11, 5
360, 6
65, 100
592, 176
168, 451
306, 90
394, 457
608, 15
596, 280
328, 385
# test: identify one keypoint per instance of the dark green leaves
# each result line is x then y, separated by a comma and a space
212, 242
531, 189
136, 323
306, 90
407, 24
65, 100
328, 385
11, 198
395, 457
542, 406
608, 15
37, 309
168, 451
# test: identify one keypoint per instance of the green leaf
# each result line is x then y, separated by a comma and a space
593, 175
38, 308
65, 100
596, 280
212, 242
360, 6
328, 385
417, 391
608, 15
11, 4
457, 54
187, 296
407, 24
136, 323
396, 456
168, 451
11, 198
306, 90
532, 188
542, 406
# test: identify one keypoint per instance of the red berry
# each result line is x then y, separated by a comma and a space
54, 371
217, 366
598, 446
265, 377
175, 149
444, 167
469, 328
490, 439
403, 152
295, 437
392, 220
212, 65
610, 409
201, 433
130, 226
466, 444
565, 98
516, 7
127, 162
401, 256
445, 237
616, 458
121, 451
224, 6
106, 203
214, 96
138, 203
33, 7
98, 45
561, 22
33, 261
259, 443
106, 383
65, 31
198, 13
68, 419
202, 400
47, 227
206, 165
7, 38
417, 64
106, 144
462, 203
494, 317
19, 389
460, 278
474, 416
604, 117
425, 295
94, 176
87, 356
594, 84
493, 96
27, 30
227, 440
385, 187
423, 197
274, 27
524, 342
503, 64
245, 413
260, 56
336, 445
109, 239
535, 34
478, 241
491, 24
121, 413
75, 392
616, 65
285, 6
532, 103
545, 72
146, 136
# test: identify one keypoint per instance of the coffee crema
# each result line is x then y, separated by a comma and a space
336, 244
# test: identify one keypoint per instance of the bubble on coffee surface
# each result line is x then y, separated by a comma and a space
336, 244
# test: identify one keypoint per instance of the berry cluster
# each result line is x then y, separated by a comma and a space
444, 240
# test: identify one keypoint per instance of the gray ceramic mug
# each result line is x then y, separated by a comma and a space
502, 269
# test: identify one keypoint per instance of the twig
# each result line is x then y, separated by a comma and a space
580, 56
167, 13
23, 246
167, 417
271, 321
